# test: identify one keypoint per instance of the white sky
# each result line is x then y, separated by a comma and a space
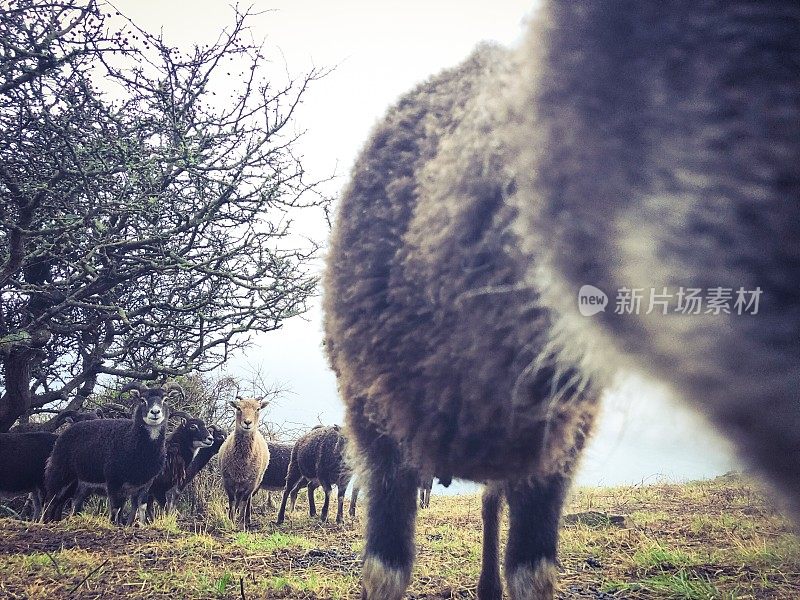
380, 49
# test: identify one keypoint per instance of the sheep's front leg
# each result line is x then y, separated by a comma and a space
116, 502
391, 511
150, 509
79, 499
248, 505
534, 509
138, 500
489, 585
231, 505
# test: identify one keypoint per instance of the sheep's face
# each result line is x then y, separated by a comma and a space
201, 437
218, 434
152, 409
247, 410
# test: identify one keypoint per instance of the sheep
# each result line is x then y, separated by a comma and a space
19, 477
425, 492
22, 462
204, 455
318, 458
622, 146
182, 445
122, 454
275, 476
243, 459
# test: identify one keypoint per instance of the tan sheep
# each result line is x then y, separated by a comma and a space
243, 458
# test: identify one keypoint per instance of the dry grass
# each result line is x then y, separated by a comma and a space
718, 539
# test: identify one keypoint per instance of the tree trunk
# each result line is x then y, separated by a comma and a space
17, 375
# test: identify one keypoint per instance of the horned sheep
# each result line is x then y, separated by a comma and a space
624, 146
124, 455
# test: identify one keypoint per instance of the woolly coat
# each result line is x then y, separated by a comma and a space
436, 335
243, 459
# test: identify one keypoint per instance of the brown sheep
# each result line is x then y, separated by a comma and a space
243, 459
625, 145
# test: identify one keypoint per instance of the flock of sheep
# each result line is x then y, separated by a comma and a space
138, 459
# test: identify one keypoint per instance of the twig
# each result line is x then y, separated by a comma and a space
82, 581
53, 560
241, 587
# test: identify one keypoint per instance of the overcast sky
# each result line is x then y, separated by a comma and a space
380, 49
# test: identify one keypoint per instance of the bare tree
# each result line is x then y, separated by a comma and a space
145, 215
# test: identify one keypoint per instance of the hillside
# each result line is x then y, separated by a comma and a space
713, 539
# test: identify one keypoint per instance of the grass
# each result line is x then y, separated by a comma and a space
706, 540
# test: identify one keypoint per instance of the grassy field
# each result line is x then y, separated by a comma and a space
713, 539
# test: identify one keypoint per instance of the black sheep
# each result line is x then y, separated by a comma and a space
22, 463
124, 455
204, 455
280, 455
183, 443
318, 457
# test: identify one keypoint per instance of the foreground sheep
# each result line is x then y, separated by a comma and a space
243, 459
626, 145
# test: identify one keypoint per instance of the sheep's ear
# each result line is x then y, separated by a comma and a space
134, 393
263, 404
69, 420
235, 403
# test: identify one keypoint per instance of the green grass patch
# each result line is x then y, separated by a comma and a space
256, 542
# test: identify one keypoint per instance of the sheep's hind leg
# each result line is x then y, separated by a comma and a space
293, 482
391, 511
341, 488
353, 500
326, 503
489, 585
312, 506
79, 498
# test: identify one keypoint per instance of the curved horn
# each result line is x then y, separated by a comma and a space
180, 413
171, 387
137, 388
